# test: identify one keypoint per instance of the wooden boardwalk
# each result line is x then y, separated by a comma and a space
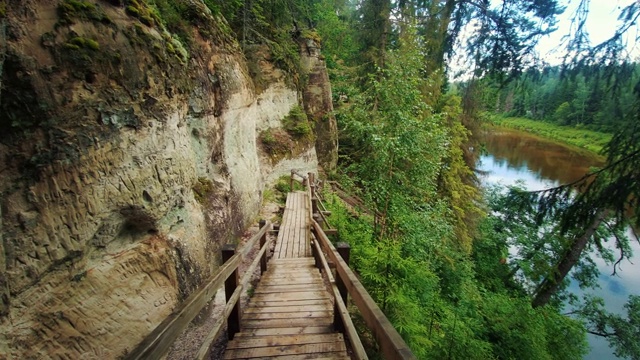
294, 235
290, 315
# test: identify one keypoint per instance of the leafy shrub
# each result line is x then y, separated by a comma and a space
297, 124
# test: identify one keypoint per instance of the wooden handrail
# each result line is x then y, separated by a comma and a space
390, 342
158, 342
217, 328
341, 308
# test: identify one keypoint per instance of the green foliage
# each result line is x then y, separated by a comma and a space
297, 124
596, 97
586, 139
80, 42
561, 115
622, 332
457, 181
68, 10
443, 307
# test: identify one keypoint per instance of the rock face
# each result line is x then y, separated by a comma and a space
318, 102
126, 162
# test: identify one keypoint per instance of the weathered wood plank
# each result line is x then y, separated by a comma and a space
279, 289
326, 306
292, 330
290, 260
259, 303
289, 315
279, 340
276, 323
289, 296
284, 350
340, 355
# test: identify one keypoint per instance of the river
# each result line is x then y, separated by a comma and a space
540, 164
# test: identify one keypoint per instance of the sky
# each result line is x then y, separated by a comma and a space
601, 24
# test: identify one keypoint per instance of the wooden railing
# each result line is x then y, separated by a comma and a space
158, 342
346, 283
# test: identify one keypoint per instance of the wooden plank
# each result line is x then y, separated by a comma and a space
279, 340
283, 281
326, 306
288, 315
284, 350
274, 278
291, 274
281, 289
298, 295
291, 330
278, 248
391, 343
295, 238
277, 323
339, 355
290, 220
287, 227
291, 260
294, 222
260, 303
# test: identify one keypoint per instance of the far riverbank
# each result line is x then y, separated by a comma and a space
586, 140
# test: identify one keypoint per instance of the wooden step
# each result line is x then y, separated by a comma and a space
321, 349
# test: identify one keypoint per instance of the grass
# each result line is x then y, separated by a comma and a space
592, 141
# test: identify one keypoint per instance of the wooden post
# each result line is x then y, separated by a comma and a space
316, 256
312, 183
263, 240
314, 204
233, 322
344, 250
291, 180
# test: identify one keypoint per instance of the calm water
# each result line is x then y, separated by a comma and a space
540, 164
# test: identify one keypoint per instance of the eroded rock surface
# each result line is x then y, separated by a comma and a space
124, 166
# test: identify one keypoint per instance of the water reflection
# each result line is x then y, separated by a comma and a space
515, 156
545, 159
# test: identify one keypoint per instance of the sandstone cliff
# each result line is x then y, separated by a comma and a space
127, 158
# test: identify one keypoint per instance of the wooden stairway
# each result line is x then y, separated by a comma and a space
290, 316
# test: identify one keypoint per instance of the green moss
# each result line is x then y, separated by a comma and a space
68, 10
70, 46
81, 42
143, 12
147, 20
202, 189
3, 9
132, 10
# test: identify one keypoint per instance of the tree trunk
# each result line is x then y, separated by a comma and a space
550, 285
